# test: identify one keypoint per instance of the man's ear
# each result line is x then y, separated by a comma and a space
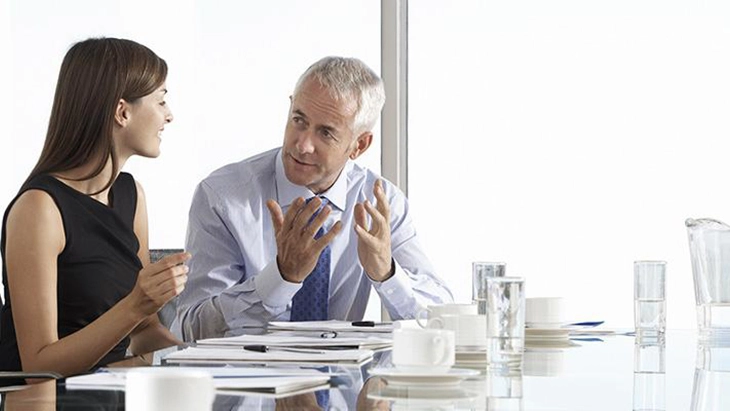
361, 144
122, 113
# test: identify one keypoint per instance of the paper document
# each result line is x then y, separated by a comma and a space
215, 355
333, 325
279, 340
258, 380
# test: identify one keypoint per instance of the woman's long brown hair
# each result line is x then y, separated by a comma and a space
95, 75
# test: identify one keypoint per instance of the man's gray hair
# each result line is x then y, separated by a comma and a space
346, 78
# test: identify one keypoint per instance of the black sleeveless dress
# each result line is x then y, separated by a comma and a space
97, 267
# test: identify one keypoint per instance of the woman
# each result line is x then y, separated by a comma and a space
79, 288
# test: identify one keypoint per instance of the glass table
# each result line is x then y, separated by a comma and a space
608, 373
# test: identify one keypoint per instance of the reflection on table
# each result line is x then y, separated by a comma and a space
610, 373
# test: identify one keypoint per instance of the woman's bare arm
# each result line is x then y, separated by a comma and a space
35, 238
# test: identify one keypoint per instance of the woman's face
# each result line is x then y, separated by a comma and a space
146, 119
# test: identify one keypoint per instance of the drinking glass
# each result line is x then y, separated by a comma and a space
480, 271
505, 322
650, 305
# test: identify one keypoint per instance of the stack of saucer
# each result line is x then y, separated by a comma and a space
545, 322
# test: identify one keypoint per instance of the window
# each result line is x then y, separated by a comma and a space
569, 138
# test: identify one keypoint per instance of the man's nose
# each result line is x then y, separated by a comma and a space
305, 142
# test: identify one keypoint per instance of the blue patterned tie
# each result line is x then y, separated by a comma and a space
310, 303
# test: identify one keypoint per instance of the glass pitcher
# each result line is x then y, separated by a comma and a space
709, 246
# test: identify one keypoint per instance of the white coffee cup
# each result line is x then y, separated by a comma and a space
423, 350
168, 389
434, 311
545, 312
470, 329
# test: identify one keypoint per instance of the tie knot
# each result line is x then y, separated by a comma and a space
324, 200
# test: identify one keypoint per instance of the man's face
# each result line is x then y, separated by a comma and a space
318, 138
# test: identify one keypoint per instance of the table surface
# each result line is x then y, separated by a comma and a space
610, 373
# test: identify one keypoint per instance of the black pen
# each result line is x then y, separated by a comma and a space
266, 348
368, 324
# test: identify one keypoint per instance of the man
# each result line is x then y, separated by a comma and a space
260, 229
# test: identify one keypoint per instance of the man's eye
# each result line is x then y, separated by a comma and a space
163, 103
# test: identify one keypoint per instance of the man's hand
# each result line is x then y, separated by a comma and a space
297, 249
373, 245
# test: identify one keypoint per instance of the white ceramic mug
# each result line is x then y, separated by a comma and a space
423, 350
545, 312
470, 329
168, 389
434, 311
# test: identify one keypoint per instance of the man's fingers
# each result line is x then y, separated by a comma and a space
361, 218
305, 214
292, 213
327, 237
318, 221
277, 216
380, 224
366, 237
382, 205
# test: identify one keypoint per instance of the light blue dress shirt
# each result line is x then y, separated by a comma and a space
234, 280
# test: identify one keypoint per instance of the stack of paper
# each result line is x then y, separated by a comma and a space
228, 380
284, 340
333, 325
233, 354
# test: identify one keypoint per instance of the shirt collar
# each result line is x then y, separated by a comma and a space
287, 192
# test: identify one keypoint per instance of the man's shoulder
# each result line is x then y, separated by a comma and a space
248, 172
359, 175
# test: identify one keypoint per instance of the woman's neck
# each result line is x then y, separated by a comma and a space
74, 178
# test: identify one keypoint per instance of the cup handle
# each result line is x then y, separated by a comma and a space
419, 316
437, 322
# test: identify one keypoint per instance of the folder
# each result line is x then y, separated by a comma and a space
233, 354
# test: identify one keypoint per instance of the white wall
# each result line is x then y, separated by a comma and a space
232, 65
569, 138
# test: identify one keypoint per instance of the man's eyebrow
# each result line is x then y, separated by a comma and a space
299, 112
328, 128
164, 91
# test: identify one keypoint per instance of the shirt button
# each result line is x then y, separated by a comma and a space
389, 292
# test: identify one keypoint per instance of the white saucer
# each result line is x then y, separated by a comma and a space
545, 334
422, 397
470, 359
399, 378
561, 343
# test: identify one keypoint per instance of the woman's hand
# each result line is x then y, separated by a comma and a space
160, 282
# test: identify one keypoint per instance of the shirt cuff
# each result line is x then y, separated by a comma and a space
397, 286
272, 288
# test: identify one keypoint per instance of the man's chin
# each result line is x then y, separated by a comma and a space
296, 177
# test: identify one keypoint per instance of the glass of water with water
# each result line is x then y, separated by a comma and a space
505, 322
480, 272
650, 304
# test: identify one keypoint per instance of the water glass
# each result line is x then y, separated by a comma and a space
505, 322
480, 271
649, 375
650, 305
